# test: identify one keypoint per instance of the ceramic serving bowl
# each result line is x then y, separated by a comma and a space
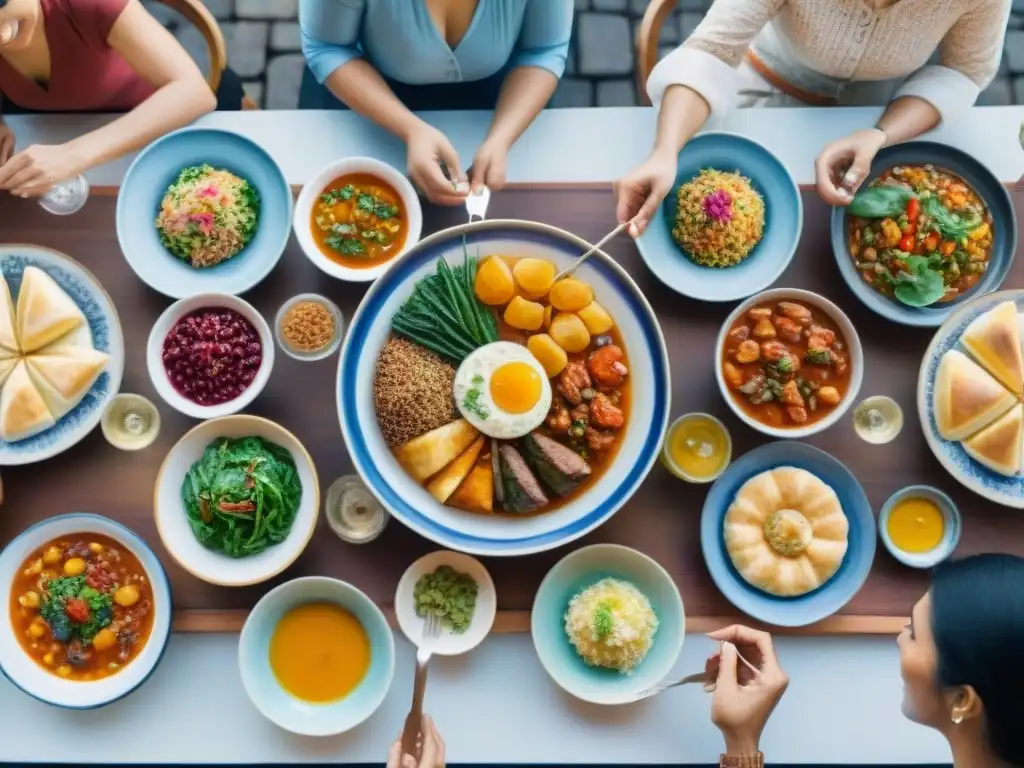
450, 643
570, 576
504, 535
105, 327
830, 597
170, 317
951, 526
1008, 491
146, 183
37, 682
172, 522
311, 191
856, 361
988, 187
728, 152
279, 706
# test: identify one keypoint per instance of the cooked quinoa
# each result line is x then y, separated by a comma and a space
207, 215
412, 391
719, 218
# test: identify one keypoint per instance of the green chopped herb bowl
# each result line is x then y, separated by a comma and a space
450, 643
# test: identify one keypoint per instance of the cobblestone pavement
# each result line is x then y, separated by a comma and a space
263, 47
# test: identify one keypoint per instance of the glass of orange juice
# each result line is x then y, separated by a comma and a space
697, 448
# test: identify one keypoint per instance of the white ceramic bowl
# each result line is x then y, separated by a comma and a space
172, 521
315, 186
505, 535
167, 320
279, 706
951, 526
856, 361
450, 643
31, 678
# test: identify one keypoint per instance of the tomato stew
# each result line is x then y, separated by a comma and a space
82, 606
787, 365
920, 234
359, 221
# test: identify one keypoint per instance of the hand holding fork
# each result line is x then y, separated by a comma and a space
410, 741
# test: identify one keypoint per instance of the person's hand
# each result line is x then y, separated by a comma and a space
431, 749
643, 189
843, 165
747, 689
489, 165
6, 142
427, 148
34, 170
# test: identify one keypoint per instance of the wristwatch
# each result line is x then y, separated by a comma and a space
743, 761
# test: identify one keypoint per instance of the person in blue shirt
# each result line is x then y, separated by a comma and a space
387, 59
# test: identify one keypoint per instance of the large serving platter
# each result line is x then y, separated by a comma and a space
1008, 491
504, 535
90, 296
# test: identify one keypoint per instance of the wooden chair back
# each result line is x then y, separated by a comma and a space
196, 13
647, 38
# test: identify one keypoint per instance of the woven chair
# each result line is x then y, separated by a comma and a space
199, 17
647, 38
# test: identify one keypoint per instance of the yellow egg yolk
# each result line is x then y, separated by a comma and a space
515, 387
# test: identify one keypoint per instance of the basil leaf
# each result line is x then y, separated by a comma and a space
882, 202
952, 226
921, 286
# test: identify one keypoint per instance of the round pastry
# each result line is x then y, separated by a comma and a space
785, 532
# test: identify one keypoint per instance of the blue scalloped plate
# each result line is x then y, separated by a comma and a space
860, 554
784, 219
1008, 491
86, 291
984, 182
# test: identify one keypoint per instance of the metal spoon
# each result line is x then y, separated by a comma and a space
603, 242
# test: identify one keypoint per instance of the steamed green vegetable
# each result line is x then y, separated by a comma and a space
449, 595
242, 496
881, 202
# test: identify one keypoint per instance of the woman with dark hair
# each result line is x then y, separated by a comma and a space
960, 659
94, 56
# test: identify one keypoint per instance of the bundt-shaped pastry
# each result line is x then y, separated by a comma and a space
785, 532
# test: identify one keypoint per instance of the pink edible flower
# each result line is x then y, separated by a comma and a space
718, 205
208, 191
205, 221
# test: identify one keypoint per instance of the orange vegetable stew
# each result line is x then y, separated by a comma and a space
82, 606
786, 364
359, 221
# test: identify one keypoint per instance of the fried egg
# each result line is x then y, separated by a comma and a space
502, 390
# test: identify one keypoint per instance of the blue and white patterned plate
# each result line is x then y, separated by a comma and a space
87, 293
1008, 491
504, 535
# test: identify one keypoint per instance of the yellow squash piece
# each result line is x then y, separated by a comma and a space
426, 455
524, 314
494, 283
570, 295
569, 332
476, 494
451, 477
551, 356
596, 318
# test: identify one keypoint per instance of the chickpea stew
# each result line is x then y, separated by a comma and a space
920, 235
359, 221
82, 606
786, 364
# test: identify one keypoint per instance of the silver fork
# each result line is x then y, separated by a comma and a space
654, 690
413, 721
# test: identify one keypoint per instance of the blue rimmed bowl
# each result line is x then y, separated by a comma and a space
831, 596
146, 183
27, 674
104, 326
503, 535
279, 706
784, 219
1004, 224
1008, 491
576, 572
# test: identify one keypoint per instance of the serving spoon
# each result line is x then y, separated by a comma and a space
601, 243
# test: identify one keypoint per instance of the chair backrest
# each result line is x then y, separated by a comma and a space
197, 14
647, 39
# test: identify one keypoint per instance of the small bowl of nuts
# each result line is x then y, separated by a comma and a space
309, 327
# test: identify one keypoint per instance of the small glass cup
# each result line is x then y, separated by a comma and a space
66, 197
352, 511
878, 420
130, 422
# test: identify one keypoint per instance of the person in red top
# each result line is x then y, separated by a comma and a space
93, 56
